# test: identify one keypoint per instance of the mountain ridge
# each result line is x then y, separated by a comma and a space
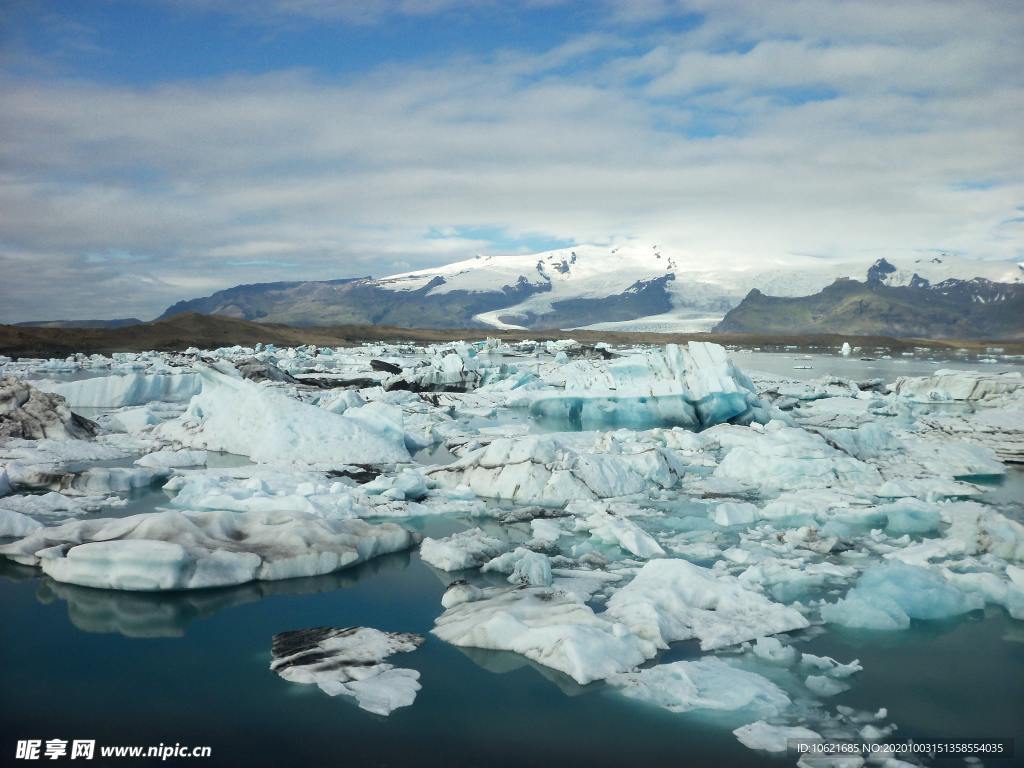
631, 287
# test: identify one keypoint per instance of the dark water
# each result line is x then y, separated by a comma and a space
192, 668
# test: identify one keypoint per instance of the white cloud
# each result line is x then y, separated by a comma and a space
724, 152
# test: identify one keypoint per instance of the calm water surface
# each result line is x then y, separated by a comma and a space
192, 668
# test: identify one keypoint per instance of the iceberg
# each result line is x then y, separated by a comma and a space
523, 566
552, 470
547, 626
466, 549
605, 526
242, 417
889, 596
672, 600
170, 459
945, 385
29, 413
349, 662
15, 524
118, 391
706, 684
692, 387
771, 738
170, 550
780, 457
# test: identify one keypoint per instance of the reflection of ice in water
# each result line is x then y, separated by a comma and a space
142, 614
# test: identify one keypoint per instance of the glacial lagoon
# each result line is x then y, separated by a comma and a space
193, 666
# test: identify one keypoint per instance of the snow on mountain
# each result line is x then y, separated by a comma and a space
698, 293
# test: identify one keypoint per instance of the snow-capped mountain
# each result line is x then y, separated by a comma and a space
641, 287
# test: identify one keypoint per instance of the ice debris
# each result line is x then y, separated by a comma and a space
349, 662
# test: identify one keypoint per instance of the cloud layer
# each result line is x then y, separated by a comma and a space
760, 132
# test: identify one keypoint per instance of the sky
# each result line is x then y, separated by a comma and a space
155, 150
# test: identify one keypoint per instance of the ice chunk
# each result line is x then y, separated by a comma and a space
693, 387
974, 530
547, 626
190, 550
55, 504
460, 592
614, 529
706, 684
167, 459
781, 457
959, 385
523, 566
128, 389
466, 549
889, 596
349, 662
734, 513
825, 686
245, 418
771, 738
269, 489
771, 649
15, 524
30, 413
553, 470
671, 600
910, 516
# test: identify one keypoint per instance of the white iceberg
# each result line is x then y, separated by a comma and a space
466, 549
245, 418
692, 387
706, 684
889, 596
547, 626
118, 391
671, 600
191, 550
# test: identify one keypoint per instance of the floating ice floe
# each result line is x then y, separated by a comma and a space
350, 662
191, 550
523, 566
772, 738
54, 504
605, 526
692, 387
671, 600
889, 596
168, 459
242, 417
127, 389
782, 457
466, 549
556, 469
945, 385
548, 626
706, 684
30, 413
15, 524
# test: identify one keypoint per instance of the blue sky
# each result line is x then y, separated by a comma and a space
160, 149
